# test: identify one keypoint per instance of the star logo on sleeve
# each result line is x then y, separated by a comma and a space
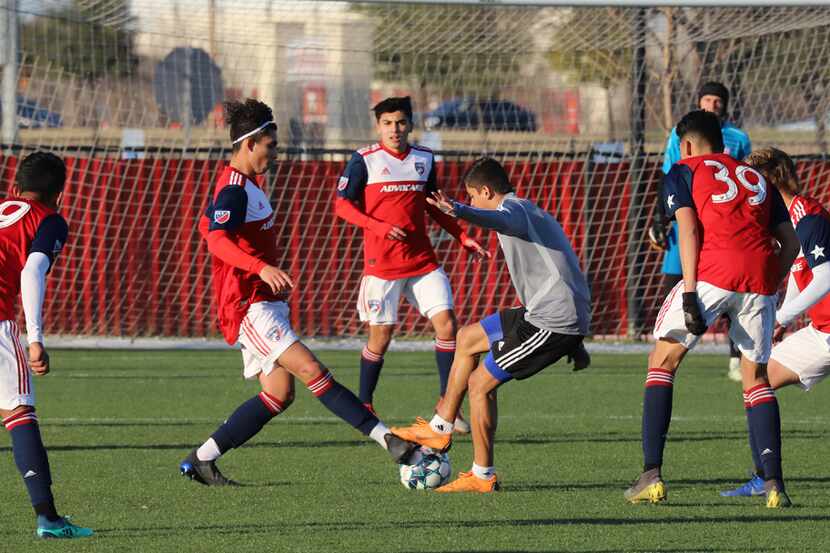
670, 201
817, 252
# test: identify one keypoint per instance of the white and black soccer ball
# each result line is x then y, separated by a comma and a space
426, 470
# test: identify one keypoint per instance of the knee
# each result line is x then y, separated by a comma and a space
476, 386
379, 338
466, 339
308, 372
447, 329
663, 360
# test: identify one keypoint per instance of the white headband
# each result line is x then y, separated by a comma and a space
253, 132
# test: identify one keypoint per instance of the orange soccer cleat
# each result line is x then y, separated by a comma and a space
422, 433
469, 482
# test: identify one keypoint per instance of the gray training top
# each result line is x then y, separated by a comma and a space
543, 266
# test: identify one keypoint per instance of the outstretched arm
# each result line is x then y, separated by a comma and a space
504, 220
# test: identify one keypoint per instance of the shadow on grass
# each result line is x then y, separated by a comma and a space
630, 437
187, 447
649, 550
430, 525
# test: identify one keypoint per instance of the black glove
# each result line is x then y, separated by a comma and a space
695, 322
657, 235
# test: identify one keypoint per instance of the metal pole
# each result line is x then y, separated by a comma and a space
636, 219
187, 98
8, 57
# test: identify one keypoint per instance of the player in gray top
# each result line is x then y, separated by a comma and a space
553, 320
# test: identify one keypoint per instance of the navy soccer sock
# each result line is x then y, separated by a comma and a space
342, 402
247, 421
32, 462
765, 422
656, 415
370, 365
444, 355
753, 446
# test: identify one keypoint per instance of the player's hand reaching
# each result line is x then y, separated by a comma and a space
38, 359
695, 323
778, 333
474, 248
442, 202
277, 280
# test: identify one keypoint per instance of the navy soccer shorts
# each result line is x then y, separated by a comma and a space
519, 349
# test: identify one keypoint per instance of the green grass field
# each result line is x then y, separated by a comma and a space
117, 424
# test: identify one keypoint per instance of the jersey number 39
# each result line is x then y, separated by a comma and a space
722, 175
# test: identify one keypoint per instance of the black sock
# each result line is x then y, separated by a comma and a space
342, 402
247, 421
657, 406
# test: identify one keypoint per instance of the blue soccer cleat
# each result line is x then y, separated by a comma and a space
61, 529
754, 487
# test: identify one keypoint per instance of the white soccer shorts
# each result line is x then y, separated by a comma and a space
265, 334
807, 354
379, 299
752, 318
15, 376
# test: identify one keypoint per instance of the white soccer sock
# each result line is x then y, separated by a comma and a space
378, 434
209, 451
485, 473
440, 425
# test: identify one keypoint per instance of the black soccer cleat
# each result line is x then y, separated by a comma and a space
204, 472
399, 449
580, 358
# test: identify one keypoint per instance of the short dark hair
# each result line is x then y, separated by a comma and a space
393, 104
486, 171
43, 173
242, 118
703, 124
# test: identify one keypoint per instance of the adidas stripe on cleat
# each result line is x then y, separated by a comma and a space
63, 529
422, 433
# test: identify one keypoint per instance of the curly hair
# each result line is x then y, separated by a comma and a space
778, 169
242, 118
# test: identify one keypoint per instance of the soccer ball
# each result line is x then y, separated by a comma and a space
426, 470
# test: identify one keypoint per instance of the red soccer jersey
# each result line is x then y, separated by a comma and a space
737, 212
812, 225
392, 188
26, 226
241, 208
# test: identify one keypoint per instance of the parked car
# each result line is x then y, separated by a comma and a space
493, 115
31, 115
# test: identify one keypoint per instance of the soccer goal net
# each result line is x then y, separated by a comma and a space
577, 102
